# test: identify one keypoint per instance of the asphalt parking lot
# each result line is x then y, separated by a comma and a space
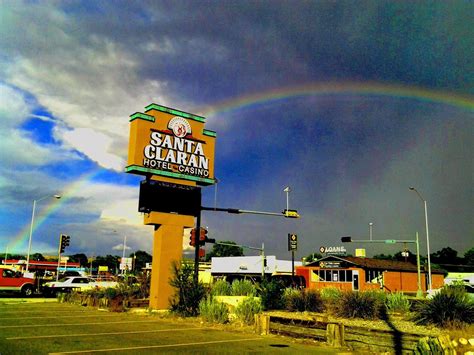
44, 326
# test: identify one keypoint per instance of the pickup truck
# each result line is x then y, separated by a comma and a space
14, 281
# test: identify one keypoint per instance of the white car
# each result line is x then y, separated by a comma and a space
69, 283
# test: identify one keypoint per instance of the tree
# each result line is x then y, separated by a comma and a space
141, 258
37, 257
469, 257
445, 256
383, 257
112, 261
312, 257
79, 258
225, 250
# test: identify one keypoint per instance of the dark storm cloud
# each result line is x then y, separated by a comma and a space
202, 46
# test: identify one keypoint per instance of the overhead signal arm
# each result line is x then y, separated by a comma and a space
284, 213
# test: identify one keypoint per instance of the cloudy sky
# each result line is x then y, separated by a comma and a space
348, 103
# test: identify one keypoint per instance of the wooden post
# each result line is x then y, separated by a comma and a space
335, 335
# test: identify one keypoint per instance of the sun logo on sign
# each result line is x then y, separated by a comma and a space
180, 127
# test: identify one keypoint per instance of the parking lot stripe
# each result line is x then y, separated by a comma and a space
56, 317
101, 334
157, 346
75, 324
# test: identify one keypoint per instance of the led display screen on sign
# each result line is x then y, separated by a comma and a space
171, 145
169, 198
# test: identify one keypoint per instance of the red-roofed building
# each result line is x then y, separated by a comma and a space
36, 265
354, 273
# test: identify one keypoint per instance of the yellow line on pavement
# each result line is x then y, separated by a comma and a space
75, 324
101, 334
56, 317
157, 346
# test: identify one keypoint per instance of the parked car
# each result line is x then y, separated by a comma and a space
12, 280
67, 284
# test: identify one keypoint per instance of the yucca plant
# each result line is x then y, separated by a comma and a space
449, 308
365, 305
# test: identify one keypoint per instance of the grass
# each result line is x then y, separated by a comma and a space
75, 328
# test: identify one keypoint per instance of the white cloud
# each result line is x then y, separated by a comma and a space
95, 145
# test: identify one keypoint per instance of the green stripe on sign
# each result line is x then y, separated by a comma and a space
141, 116
175, 112
209, 133
141, 170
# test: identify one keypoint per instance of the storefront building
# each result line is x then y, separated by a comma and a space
355, 273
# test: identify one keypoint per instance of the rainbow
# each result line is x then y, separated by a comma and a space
19, 243
464, 102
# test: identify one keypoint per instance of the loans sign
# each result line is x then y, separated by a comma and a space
171, 145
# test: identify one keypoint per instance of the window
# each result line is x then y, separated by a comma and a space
333, 275
9, 273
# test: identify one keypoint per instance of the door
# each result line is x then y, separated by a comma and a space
355, 280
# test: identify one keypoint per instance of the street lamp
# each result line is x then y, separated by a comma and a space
427, 235
31, 226
370, 230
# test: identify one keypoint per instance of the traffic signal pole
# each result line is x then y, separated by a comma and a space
196, 248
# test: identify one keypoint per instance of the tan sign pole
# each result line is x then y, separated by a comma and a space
169, 146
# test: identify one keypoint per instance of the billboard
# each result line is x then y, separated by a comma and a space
171, 146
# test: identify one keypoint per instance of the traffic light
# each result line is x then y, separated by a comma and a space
290, 213
64, 242
192, 237
203, 239
346, 239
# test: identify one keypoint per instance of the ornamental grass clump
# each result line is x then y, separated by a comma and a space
243, 288
449, 308
365, 305
221, 288
213, 311
397, 302
247, 310
303, 300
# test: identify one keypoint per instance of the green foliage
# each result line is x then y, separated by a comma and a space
219, 250
141, 258
449, 308
243, 288
221, 288
365, 305
188, 295
303, 300
213, 311
397, 302
271, 294
247, 310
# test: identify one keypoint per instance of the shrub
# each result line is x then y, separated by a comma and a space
450, 308
294, 300
221, 288
188, 295
397, 302
243, 288
365, 305
271, 294
247, 310
313, 300
303, 300
213, 311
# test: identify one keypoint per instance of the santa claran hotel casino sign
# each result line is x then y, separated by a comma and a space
171, 144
